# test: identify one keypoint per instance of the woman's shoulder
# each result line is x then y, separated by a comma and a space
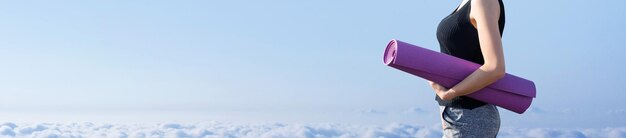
485, 4
485, 9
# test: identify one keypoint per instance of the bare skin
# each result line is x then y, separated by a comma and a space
484, 16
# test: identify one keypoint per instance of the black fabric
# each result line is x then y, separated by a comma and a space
458, 37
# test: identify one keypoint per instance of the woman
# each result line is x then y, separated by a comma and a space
472, 32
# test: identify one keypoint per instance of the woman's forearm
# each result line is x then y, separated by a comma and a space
482, 77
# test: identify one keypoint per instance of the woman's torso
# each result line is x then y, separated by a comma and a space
458, 37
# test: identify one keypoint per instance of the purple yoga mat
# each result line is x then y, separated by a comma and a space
510, 92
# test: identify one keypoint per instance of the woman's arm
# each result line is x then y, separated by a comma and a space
484, 15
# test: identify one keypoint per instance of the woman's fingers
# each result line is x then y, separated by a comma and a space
436, 86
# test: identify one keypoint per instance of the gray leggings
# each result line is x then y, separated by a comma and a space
480, 122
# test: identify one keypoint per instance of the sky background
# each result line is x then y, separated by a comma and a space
290, 61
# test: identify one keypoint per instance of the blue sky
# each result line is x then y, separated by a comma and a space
299, 61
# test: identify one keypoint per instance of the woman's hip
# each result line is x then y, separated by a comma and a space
483, 121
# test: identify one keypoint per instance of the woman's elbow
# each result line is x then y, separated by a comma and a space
497, 72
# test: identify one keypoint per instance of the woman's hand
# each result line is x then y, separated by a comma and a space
443, 92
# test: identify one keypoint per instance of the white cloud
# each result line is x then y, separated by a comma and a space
320, 130
415, 110
372, 111
619, 132
6, 131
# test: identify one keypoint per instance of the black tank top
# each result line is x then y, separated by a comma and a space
458, 37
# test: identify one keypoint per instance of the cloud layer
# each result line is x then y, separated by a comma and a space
263, 130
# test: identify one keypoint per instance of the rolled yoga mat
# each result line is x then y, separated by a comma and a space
510, 92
